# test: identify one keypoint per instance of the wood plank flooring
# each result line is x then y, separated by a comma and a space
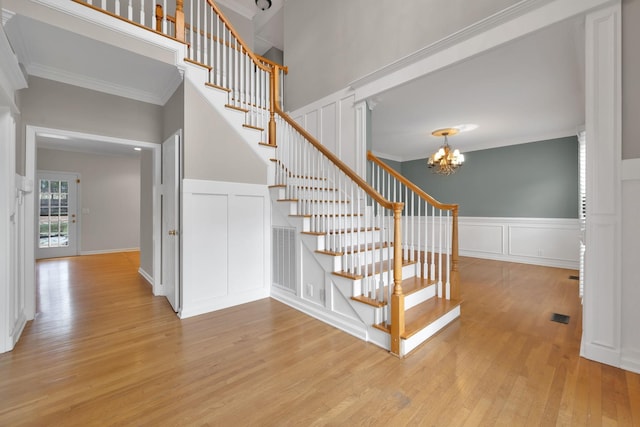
104, 351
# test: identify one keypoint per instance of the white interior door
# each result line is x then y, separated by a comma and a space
57, 216
171, 175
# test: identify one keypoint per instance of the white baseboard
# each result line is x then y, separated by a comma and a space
109, 251
218, 303
631, 361
334, 319
146, 276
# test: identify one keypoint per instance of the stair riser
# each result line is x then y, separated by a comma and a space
360, 258
420, 296
308, 182
328, 223
345, 240
324, 208
319, 194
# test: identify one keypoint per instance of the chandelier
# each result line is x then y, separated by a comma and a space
445, 161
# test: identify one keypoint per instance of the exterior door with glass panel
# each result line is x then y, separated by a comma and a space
57, 218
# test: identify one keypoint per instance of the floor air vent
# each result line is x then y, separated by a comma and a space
560, 318
574, 277
284, 257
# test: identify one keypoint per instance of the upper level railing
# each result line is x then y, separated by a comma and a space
214, 44
338, 201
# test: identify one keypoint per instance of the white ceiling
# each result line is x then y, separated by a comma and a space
268, 25
528, 90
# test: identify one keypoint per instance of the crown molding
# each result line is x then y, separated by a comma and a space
11, 76
74, 79
479, 27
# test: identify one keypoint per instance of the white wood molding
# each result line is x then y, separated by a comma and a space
226, 241
631, 170
146, 276
601, 337
339, 124
551, 242
11, 76
511, 23
108, 251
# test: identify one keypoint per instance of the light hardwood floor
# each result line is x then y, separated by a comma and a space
103, 351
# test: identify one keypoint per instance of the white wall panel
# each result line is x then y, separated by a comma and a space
247, 242
538, 241
481, 238
329, 133
332, 120
225, 245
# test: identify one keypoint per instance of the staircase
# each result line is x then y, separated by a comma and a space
384, 251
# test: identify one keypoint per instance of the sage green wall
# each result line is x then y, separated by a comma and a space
534, 180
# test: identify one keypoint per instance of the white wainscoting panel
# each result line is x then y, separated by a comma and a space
225, 245
552, 242
630, 257
332, 120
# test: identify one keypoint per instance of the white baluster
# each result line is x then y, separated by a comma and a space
440, 252
117, 7
433, 244
448, 228
142, 16
130, 11
198, 28
164, 18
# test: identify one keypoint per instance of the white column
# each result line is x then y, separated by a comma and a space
601, 337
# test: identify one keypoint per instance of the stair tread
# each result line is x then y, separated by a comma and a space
409, 286
422, 315
425, 313
234, 107
360, 248
351, 230
253, 127
377, 267
215, 86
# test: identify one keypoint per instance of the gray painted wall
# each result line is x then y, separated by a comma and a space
534, 180
213, 149
61, 106
630, 82
330, 43
110, 189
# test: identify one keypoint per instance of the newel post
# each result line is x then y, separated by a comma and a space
397, 298
274, 100
179, 20
455, 277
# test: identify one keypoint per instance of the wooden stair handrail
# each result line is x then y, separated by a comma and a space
340, 164
235, 34
455, 276
410, 185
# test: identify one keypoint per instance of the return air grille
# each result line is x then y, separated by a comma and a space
284, 258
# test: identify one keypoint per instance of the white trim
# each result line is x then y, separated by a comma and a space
108, 251
516, 21
345, 324
631, 170
146, 276
602, 308
11, 77
30, 202
84, 81
226, 247
631, 361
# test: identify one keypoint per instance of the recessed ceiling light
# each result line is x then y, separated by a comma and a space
466, 127
137, 148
